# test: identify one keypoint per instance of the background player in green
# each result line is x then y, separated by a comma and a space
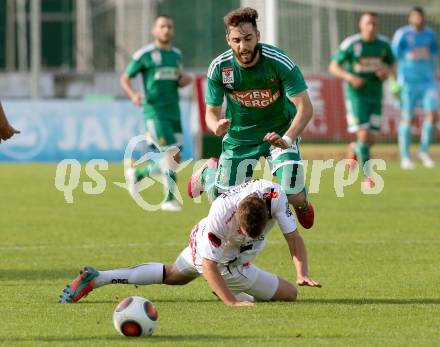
268, 107
160, 65
364, 61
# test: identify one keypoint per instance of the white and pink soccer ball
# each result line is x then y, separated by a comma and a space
135, 316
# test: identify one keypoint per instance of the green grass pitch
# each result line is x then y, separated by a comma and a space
377, 257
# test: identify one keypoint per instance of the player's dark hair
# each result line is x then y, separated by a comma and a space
240, 16
418, 9
252, 215
370, 13
161, 16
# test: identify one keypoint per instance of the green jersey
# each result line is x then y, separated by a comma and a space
161, 70
362, 59
258, 96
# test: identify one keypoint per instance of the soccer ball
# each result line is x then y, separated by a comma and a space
135, 316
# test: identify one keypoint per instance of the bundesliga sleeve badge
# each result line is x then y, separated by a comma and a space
227, 75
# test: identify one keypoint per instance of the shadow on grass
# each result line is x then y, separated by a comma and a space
343, 301
176, 300
153, 339
372, 301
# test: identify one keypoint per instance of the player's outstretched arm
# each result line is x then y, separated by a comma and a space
213, 119
218, 284
298, 252
6, 130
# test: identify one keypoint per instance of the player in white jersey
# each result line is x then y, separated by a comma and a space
221, 248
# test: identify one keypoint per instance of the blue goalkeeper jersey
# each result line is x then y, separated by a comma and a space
416, 53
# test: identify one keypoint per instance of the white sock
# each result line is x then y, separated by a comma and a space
148, 273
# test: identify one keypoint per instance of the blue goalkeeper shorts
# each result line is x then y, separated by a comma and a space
423, 95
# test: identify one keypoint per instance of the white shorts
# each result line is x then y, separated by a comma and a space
246, 278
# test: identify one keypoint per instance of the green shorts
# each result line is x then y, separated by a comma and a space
164, 132
237, 163
363, 114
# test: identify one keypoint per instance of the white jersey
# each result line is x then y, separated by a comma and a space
218, 236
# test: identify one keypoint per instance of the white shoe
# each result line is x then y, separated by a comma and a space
171, 206
407, 164
130, 178
426, 160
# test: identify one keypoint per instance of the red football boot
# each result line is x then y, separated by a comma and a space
305, 215
368, 183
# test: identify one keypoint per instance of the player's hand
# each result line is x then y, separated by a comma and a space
136, 99
7, 131
382, 73
307, 281
241, 303
356, 81
222, 126
276, 140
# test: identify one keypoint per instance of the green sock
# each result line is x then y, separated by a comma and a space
208, 183
213, 193
363, 153
147, 170
170, 184
208, 178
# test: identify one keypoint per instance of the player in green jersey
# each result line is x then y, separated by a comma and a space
363, 61
160, 65
268, 107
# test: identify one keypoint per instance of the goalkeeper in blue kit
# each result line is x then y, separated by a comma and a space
415, 47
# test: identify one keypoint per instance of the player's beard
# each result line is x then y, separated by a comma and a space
165, 40
248, 58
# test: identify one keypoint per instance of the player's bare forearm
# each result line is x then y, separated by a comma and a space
127, 87
303, 115
212, 116
298, 252
214, 122
337, 70
218, 284
185, 80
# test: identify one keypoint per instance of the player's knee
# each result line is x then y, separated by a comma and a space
172, 276
286, 291
291, 293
